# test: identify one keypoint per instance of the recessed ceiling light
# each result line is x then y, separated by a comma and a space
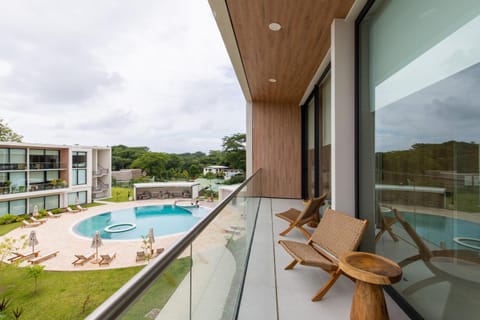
272, 80
274, 26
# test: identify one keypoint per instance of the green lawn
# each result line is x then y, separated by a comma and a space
120, 194
6, 228
93, 204
73, 295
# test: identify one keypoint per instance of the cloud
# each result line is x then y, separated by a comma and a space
112, 72
447, 110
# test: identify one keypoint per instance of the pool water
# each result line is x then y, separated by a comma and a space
442, 230
164, 219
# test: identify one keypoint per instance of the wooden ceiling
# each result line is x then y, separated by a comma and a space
291, 55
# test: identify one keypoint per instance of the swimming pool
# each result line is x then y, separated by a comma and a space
164, 219
443, 230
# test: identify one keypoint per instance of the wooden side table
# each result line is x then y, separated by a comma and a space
371, 271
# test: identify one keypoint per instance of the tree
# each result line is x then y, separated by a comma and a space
194, 170
7, 134
123, 156
153, 163
10, 245
234, 150
35, 272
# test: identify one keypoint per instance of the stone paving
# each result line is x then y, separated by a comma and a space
57, 235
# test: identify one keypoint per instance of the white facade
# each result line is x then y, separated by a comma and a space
52, 176
215, 169
165, 190
222, 170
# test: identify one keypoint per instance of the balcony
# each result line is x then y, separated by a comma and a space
99, 188
32, 188
12, 166
236, 271
47, 166
100, 172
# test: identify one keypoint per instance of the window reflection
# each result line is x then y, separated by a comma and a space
420, 105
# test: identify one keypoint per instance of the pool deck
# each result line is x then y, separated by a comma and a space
57, 235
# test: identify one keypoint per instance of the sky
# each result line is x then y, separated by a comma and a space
139, 73
447, 110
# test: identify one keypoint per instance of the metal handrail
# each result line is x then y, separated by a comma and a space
100, 171
116, 304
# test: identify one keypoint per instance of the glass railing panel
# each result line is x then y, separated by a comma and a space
168, 297
220, 254
203, 271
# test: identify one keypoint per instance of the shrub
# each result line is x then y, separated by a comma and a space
42, 212
235, 179
56, 211
20, 218
8, 218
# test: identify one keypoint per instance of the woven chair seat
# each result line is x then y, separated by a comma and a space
297, 218
291, 215
307, 255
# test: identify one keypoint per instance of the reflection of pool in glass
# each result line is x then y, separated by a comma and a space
164, 219
437, 229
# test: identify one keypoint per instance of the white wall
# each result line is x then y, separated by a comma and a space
343, 116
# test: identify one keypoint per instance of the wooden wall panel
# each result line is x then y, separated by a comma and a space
276, 148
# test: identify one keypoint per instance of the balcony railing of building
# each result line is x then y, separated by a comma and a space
12, 166
31, 188
33, 166
99, 172
100, 195
100, 187
47, 165
210, 259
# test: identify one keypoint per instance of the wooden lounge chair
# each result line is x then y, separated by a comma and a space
335, 235
70, 210
17, 256
107, 258
26, 224
158, 252
44, 257
82, 259
141, 256
298, 219
79, 207
52, 215
41, 220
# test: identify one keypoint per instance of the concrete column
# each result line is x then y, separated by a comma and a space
343, 116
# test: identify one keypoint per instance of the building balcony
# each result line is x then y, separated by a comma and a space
12, 166
236, 271
31, 188
47, 166
100, 172
99, 188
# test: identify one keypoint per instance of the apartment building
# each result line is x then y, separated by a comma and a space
51, 176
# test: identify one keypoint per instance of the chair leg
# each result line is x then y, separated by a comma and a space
291, 265
379, 235
305, 232
319, 295
393, 235
284, 232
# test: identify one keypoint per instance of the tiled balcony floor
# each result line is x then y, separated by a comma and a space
274, 293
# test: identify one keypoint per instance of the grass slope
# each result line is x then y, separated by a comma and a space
6, 228
73, 295
120, 194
